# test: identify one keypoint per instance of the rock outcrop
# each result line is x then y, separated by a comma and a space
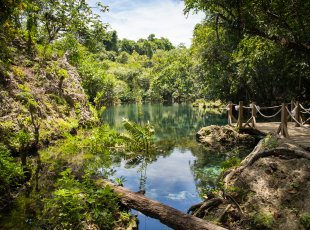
218, 137
41, 94
268, 190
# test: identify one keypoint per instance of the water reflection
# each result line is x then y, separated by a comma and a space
176, 170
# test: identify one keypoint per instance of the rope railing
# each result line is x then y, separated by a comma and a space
304, 109
250, 107
299, 123
267, 116
304, 122
271, 107
295, 115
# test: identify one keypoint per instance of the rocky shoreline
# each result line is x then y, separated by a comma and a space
268, 190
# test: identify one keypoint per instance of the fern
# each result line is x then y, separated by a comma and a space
138, 139
138, 132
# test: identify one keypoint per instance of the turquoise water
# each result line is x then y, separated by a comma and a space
180, 168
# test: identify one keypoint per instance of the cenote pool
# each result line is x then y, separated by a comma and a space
176, 172
180, 168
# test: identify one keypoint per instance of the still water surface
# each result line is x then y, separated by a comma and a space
180, 167
173, 175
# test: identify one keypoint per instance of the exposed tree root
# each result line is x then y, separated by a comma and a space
208, 206
203, 208
234, 202
259, 153
240, 181
222, 216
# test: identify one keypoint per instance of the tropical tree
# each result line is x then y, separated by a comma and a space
243, 44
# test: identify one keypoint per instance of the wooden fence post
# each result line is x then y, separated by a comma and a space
283, 125
292, 107
229, 113
297, 114
240, 115
254, 115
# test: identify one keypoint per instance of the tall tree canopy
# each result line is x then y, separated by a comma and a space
254, 49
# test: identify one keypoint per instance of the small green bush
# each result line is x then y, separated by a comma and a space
230, 163
74, 202
11, 172
63, 73
101, 110
305, 220
270, 142
18, 72
264, 220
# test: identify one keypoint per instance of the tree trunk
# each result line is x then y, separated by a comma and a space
167, 215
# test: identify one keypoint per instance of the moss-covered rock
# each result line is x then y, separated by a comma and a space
39, 96
218, 137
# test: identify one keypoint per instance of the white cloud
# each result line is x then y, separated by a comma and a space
164, 18
183, 195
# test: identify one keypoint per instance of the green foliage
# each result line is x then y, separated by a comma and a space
171, 73
230, 163
305, 220
7, 132
138, 138
63, 73
11, 172
245, 52
76, 204
89, 150
263, 220
101, 111
27, 98
18, 73
120, 181
270, 142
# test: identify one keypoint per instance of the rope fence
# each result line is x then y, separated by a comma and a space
304, 109
296, 114
267, 116
301, 125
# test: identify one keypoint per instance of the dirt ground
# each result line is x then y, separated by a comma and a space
274, 191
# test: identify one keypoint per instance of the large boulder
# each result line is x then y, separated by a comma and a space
222, 137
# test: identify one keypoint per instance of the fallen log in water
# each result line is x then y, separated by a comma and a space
167, 215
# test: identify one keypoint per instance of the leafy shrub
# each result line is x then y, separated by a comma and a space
18, 72
138, 138
305, 220
231, 162
101, 110
46, 51
63, 73
11, 172
75, 204
263, 220
270, 142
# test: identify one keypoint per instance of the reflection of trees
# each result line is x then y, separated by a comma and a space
170, 121
139, 148
206, 169
175, 126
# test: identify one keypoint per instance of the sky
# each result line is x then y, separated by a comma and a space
134, 19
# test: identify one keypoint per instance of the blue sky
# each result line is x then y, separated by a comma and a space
134, 19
